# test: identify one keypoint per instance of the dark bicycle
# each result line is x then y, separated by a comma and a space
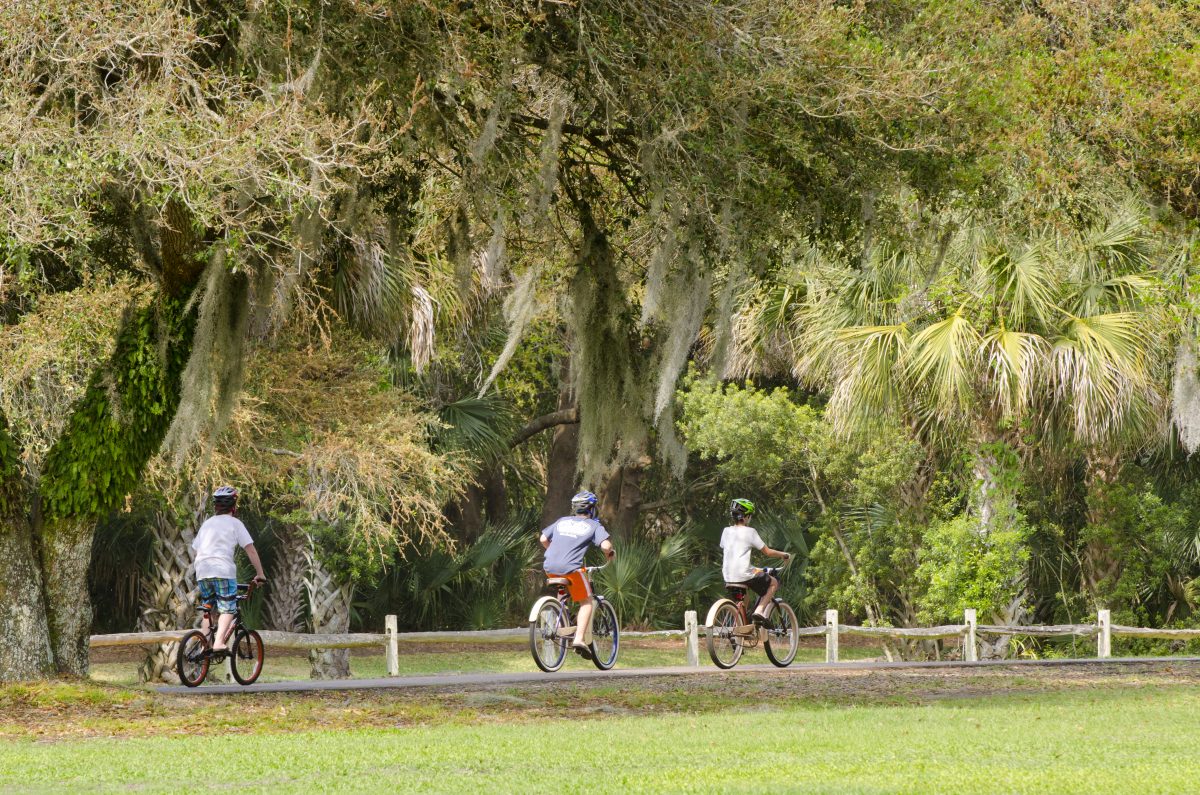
245, 653
730, 630
551, 627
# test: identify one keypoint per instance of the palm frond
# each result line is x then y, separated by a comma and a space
1011, 359
1025, 283
941, 363
1121, 244
1099, 371
480, 425
1122, 292
872, 388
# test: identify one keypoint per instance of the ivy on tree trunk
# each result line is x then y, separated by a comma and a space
49, 526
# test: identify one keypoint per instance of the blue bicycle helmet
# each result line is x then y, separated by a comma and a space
584, 502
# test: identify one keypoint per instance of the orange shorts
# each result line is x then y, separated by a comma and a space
578, 585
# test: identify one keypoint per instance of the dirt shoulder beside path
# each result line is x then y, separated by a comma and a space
65, 710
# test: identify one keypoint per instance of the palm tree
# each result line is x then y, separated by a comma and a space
978, 340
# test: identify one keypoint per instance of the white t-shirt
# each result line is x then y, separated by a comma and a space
737, 541
215, 543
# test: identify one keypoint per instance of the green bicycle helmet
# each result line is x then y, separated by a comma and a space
741, 508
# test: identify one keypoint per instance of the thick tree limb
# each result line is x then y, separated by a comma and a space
277, 451
564, 417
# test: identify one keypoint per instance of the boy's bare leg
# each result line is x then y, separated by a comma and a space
223, 625
765, 599
583, 623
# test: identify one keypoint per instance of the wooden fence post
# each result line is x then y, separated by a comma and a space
1104, 637
692, 638
831, 636
970, 650
393, 648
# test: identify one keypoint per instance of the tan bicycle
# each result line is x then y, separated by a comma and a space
551, 627
731, 632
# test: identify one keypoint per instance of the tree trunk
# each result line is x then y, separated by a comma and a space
495, 495
622, 503
1100, 567
470, 512
66, 552
561, 466
329, 606
285, 602
24, 628
1013, 614
169, 590
995, 504
986, 490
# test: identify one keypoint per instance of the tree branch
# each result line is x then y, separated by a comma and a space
276, 451
564, 417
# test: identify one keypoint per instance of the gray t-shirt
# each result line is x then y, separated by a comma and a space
570, 538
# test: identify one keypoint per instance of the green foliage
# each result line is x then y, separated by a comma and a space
1152, 548
121, 420
479, 427
10, 469
758, 438
486, 585
966, 569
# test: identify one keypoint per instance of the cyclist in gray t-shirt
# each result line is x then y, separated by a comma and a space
566, 542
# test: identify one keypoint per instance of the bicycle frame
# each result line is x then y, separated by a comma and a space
738, 599
211, 616
564, 598
552, 629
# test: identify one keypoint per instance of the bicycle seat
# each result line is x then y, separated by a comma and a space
557, 581
736, 587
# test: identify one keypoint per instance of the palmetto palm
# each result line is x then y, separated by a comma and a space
970, 340
1055, 330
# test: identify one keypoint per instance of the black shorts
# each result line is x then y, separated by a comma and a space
760, 583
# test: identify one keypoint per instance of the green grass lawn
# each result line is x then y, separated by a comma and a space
1098, 740
497, 657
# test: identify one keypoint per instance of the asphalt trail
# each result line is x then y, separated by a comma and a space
492, 680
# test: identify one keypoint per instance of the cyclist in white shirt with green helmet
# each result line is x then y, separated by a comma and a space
738, 540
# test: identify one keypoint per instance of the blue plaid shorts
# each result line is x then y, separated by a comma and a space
224, 591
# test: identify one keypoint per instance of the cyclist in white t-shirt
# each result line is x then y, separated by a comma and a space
216, 571
738, 540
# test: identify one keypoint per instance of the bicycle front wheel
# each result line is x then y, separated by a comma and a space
246, 658
606, 635
549, 648
724, 644
192, 658
781, 637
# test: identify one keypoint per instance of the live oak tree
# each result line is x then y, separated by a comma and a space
117, 123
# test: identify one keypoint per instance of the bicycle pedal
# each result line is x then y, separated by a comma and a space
745, 629
567, 632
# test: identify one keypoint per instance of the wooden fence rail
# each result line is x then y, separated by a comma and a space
1103, 630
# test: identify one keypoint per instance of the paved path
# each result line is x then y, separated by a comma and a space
491, 680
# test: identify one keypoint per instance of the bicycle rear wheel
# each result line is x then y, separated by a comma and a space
606, 635
192, 658
782, 641
246, 657
548, 648
724, 645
